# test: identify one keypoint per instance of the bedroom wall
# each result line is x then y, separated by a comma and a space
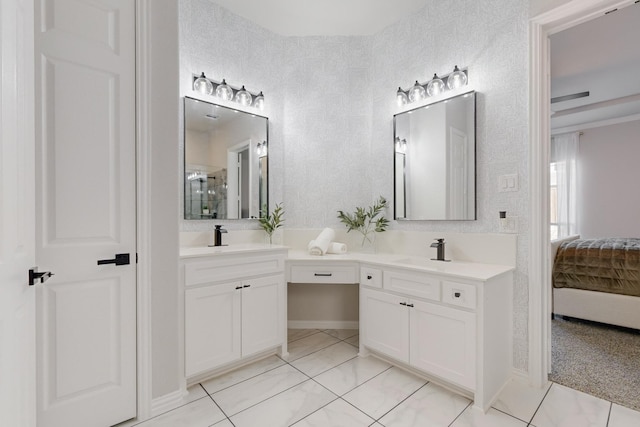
608, 177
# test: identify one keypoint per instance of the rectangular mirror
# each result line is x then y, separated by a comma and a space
435, 159
225, 162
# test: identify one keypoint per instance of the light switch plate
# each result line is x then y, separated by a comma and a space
508, 183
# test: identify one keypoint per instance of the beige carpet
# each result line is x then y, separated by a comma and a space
600, 360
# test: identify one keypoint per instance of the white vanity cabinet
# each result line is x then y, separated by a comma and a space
234, 308
454, 329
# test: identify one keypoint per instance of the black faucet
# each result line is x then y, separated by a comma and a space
439, 244
217, 235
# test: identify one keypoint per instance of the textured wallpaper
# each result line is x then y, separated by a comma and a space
331, 102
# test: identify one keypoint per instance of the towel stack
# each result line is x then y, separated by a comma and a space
324, 244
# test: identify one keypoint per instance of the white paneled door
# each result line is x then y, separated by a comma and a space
85, 197
17, 254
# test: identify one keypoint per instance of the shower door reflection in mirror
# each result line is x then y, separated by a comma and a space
225, 162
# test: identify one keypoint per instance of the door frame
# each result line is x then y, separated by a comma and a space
540, 28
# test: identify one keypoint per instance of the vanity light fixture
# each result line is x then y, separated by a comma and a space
203, 85
434, 87
243, 97
416, 93
197, 176
224, 91
401, 97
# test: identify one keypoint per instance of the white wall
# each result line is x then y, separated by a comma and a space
608, 178
331, 102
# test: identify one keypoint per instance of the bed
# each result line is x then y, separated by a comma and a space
597, 279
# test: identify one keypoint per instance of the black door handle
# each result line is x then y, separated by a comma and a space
120, 259
34, 276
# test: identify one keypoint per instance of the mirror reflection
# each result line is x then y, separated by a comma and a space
435, 161
225, 162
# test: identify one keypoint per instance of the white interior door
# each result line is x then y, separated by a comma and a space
17, 254
85, 193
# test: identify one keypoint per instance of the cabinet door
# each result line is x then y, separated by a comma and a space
212, 326
443, 342
385, 319
262, 314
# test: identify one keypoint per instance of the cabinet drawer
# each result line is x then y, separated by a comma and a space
460, 294
225, 268
370, 276
413, 284
323, 274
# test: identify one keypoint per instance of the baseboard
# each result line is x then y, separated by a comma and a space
323, 324
520, 375
167, 402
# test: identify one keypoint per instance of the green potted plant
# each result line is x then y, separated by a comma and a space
270, 222
366, 221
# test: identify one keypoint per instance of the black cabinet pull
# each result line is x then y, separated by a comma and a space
403, 303
246, 286
369, 277
456, 294
120, 259
409, 305
238, 287
322, 274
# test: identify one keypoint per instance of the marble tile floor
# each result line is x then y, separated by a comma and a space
324, 383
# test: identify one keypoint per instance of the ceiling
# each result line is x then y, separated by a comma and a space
323, 18
601, 56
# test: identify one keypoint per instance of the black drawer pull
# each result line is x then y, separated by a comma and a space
369, 277
409, 305
238, 287
246, 286
403, 303
322, 274
456, 294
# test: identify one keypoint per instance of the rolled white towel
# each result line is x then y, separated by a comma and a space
337, 248
321, 243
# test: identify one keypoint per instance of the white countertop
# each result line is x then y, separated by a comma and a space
200, 251
461, 269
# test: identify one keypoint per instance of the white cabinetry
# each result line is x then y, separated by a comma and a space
234, 308
453, 329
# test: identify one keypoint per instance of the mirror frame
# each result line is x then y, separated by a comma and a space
475, 163
260, 163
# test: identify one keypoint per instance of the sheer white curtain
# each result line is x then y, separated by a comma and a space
564, 153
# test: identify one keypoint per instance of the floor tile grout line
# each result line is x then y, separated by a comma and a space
221, 410
317, 331
400, 403
270, 397
333, 367
166, 412
511, 415
313, 352
539, 404
311, 413
358, 409
244, 380
376, 375
461, 412
609, 414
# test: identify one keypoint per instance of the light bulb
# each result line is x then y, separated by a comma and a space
223, 91
435, 86
457, 79
416, 93
203, 85
243, 97
401, 98
259, 102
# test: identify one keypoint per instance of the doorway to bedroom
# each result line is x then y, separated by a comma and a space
594, 205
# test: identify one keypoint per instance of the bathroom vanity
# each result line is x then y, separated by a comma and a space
447, 321
234, 306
